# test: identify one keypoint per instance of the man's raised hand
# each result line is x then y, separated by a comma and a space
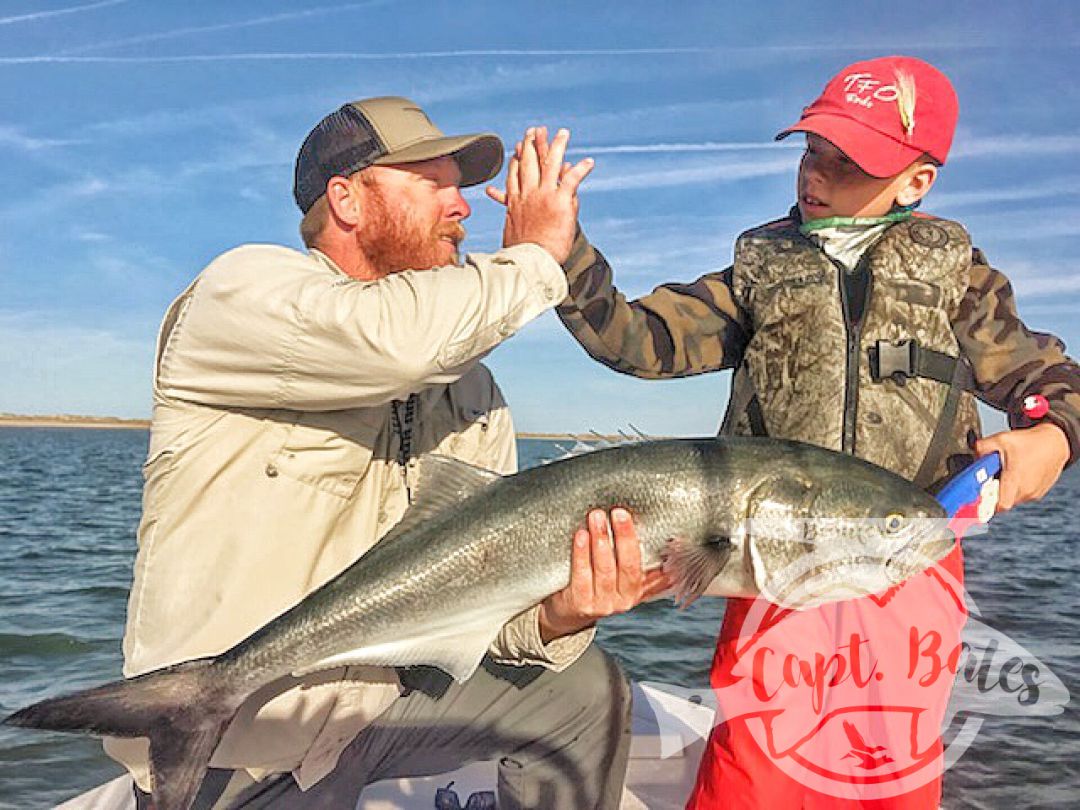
541, 193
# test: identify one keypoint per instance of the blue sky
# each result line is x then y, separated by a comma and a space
140, 139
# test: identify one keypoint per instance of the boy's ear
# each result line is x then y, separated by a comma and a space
920, 179
343, 197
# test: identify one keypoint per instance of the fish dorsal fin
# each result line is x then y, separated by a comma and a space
441, 482
446, 480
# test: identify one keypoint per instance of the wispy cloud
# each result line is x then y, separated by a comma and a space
80, 234
1050, 227
1042, 279
235, 114
41, 15
49, 200
712, 172
472, 84
1053, 285
177, 33
975, 146
989, 146
1069, 308
1001, 194
17, 139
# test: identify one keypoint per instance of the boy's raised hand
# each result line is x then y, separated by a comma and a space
1031, 461
541, 193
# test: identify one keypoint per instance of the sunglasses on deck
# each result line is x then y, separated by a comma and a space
447, 799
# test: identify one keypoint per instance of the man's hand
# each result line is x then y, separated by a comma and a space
605, 577
541, 193
1031, 461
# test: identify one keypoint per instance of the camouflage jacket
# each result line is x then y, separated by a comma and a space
711, 324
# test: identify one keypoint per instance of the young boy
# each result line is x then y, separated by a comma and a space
856, 324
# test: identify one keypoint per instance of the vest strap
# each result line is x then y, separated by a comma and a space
743, 399
900, 360
962, 380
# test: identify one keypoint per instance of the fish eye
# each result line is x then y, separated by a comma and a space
894, 523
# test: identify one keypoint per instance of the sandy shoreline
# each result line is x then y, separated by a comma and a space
16, 420
116, 423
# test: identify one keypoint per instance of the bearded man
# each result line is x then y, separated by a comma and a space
293, 394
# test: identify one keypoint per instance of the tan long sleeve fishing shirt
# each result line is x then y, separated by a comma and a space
290, 401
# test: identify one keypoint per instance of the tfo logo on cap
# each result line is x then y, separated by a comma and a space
864, 89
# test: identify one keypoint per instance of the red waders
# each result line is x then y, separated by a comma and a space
737, 772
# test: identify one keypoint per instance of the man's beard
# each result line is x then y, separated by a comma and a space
392, 240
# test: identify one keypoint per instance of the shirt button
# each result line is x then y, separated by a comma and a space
505, 330
271, 471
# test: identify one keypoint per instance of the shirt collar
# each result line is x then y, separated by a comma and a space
326, 261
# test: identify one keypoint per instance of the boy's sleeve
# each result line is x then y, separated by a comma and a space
1012, 362
676, 331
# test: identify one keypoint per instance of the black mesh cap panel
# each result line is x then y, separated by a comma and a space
342, 143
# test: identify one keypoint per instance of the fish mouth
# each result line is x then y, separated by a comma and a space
862, 577
931, 545
848, 574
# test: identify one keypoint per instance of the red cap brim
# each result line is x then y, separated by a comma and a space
876, 154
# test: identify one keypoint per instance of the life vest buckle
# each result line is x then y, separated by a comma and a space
897, 360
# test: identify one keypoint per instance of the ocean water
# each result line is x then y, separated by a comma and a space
69, 506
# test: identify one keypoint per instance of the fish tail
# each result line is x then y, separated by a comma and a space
691, 565
182, 709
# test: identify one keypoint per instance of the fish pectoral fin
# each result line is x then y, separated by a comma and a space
457, 652
692, 565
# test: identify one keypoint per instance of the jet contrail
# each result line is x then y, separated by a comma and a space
664, 148
40, 15
340, 56
227, 26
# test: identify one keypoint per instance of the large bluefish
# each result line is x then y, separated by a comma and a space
735, 517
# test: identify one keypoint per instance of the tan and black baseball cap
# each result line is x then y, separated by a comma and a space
378, 131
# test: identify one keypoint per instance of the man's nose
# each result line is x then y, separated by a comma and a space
455, 206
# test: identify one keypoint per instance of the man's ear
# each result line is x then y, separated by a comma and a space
343, 197
920, 181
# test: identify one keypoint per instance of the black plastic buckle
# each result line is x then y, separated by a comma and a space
896, 360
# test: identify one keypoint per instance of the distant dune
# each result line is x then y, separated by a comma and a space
71, 421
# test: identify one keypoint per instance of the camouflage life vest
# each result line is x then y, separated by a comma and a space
867, 366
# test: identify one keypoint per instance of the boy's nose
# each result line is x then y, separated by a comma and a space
812, 166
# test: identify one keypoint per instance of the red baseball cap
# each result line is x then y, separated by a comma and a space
884, 114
